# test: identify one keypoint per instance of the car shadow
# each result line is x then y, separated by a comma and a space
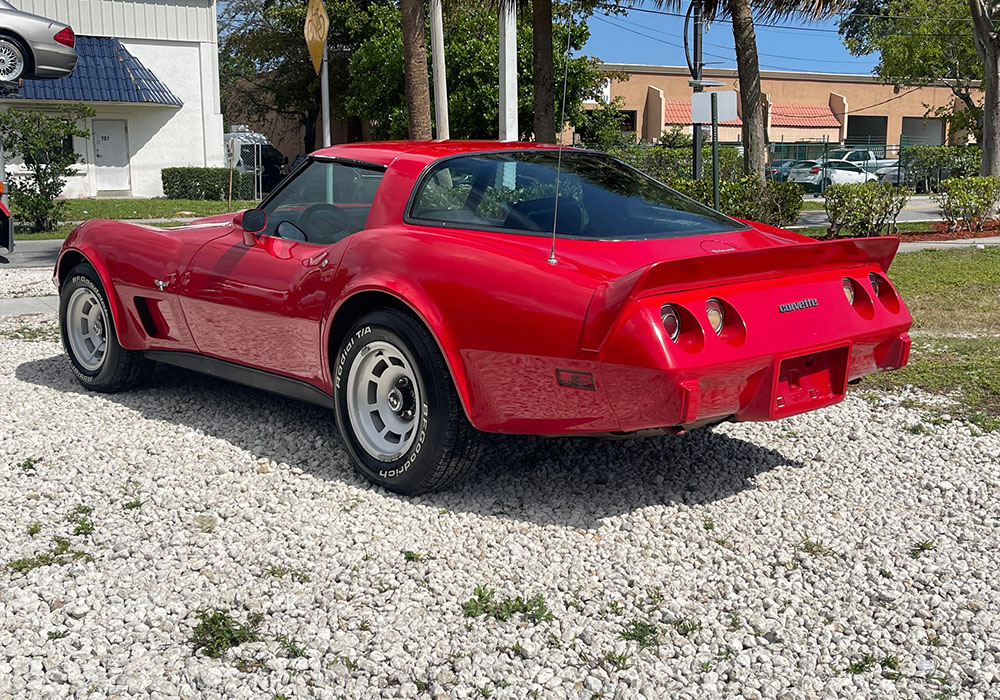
561, 481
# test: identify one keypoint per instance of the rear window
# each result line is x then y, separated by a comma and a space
598, 197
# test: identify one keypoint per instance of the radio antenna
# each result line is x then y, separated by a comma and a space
559, 148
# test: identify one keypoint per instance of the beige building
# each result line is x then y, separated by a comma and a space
798, 106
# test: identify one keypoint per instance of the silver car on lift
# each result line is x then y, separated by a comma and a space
33, 46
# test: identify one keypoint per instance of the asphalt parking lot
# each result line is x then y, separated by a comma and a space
840, 554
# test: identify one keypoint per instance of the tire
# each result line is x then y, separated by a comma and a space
14, 59
435, 445
88, 334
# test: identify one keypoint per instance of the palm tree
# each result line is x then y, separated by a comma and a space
987, 42
418, 95
741, 14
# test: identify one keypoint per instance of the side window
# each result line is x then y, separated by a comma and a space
326, 202
855, 156
500, 192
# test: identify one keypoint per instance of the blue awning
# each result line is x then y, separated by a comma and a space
105, 72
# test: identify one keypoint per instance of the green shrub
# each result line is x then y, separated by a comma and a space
201, 183
968, 201
864, 209
928, 164
671, 164
774, 203
44, 141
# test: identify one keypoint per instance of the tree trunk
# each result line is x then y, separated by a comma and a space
754, 145
418, 95
987, 45
544, 98
309, 129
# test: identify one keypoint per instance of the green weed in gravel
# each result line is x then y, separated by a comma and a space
32, 333
217, 632
484, 603
80, 518
295, 574
58, 553
641, 632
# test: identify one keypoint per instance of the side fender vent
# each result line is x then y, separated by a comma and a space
142, 308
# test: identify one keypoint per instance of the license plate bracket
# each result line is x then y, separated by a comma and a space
810, 381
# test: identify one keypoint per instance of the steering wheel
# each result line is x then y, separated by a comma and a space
336, 213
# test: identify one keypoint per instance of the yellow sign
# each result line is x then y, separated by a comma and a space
317, 25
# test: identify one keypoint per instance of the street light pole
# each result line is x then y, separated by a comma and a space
324, 95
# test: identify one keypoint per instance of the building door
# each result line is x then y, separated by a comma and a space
111, 155
864, 130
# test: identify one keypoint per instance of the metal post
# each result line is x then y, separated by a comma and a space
6, 88
715, 150
698, 65
508, 71
440, 80
822, 183
324, 96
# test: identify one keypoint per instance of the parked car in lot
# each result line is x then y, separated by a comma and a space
466, 293
865, 158
813, 175
34, 47
778, 170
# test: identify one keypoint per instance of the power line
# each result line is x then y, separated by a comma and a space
785, 27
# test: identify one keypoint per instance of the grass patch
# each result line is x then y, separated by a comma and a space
967, 368
619, 662
217, 632
58, 553
412, 556
640, 632
904, 227
484, 604
32, 334
950, 290
83, 209
863, 665
34, 529
28, 464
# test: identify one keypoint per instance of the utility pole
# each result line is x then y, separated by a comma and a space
508, 71
695, 67
440, 80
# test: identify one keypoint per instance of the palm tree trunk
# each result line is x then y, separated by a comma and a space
544, 84
987, 44
754, 145
418, 96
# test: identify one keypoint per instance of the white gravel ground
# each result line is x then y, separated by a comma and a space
767, 559
26, 282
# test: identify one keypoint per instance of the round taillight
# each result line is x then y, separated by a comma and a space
849, 290
716, 316
876, 283
671, 320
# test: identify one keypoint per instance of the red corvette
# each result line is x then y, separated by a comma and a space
418, 289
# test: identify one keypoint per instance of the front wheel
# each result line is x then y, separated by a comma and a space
397, 409
88, 334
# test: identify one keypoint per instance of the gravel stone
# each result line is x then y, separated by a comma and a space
806, 568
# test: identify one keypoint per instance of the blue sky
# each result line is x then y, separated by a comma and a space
644, 37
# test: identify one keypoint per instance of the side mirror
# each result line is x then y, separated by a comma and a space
250, 221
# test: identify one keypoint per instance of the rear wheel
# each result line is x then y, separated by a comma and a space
88, 334
397, 409
13, 59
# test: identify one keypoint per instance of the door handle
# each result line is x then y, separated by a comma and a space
317, 261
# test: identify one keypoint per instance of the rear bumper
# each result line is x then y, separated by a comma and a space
749, 389
52, 60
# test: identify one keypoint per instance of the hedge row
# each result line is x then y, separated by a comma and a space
203, 183
774, 203
669, 165
864, 209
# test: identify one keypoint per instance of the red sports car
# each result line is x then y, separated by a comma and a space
428, 291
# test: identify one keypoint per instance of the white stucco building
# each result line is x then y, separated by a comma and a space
149, 69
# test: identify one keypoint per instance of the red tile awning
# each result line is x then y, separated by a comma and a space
680, 113
817, 116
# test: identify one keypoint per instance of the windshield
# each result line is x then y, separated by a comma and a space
599, 197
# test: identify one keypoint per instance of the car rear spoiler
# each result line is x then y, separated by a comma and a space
611, 298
